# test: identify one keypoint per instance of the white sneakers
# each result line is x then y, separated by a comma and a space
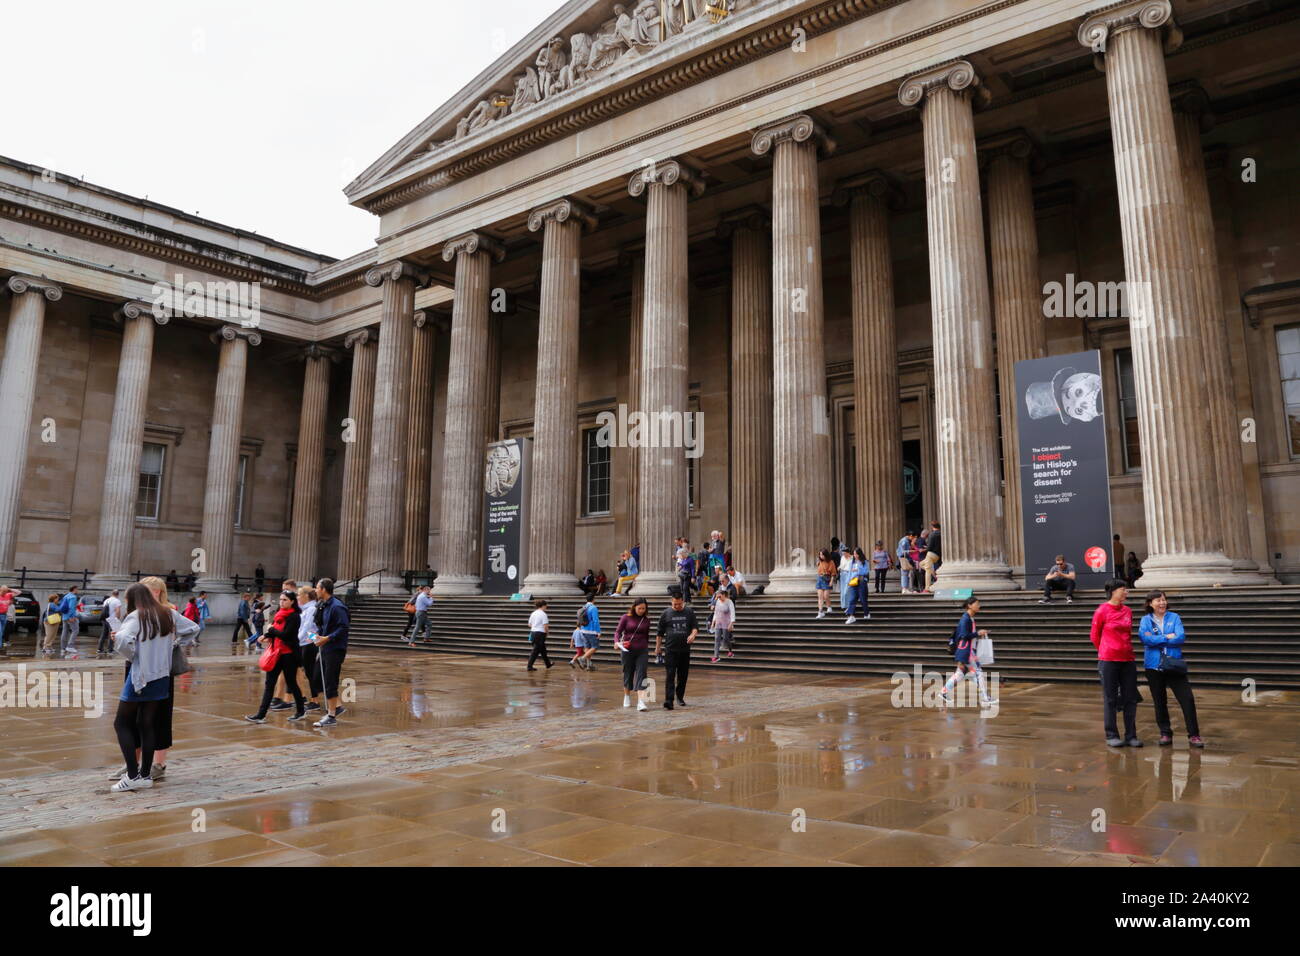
641, 705
131, 783
849, 620
627, 700
821, 614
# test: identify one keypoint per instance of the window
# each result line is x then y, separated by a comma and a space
1128, 409
690, 482
595, 474
239, 491
1288, 360
149, 495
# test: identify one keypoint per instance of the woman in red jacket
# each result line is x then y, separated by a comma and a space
1112, 635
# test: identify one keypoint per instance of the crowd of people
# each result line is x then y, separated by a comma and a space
308, 632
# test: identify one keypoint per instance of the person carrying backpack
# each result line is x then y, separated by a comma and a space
962, 644
587, 636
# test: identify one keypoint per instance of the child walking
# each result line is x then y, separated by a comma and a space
968, 665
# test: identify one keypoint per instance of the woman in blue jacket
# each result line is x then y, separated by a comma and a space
858, 571
1162, 636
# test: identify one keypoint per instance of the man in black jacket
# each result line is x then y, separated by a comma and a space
934, 555
677, 630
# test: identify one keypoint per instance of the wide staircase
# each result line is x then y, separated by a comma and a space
1233, 634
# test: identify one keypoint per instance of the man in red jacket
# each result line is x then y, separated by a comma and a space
1112, 635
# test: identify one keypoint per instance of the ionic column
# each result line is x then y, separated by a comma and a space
18, 397
1184, 530
632, 451
1017, 304
801, 434
125, 443
751, 531
555, 409
386, 486
970, 500
662, 504
1191, 115
356, 454
460, 568
492, 386
419, 443
876, 404
218, 534
304, 531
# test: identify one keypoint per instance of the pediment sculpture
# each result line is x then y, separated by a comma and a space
630, 33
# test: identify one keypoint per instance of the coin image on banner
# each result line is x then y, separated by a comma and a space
512, 572
1095, 558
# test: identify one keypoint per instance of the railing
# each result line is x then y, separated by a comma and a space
36, 577
351, 586
249, 582
418, 579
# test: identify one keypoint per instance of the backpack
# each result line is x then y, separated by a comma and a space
952, 639
582, 616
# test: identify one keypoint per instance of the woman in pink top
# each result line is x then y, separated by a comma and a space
1112, 635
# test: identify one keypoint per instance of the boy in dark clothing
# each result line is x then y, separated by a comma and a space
677, 630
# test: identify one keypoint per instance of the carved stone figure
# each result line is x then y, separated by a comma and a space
640, 28
527, 90
579, 54
607, 46
551, 63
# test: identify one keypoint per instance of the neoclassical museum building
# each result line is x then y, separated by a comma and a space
825, 229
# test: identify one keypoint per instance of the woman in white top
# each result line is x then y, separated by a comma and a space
307, 645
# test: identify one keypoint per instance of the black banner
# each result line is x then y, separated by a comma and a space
1064, 477
505, 515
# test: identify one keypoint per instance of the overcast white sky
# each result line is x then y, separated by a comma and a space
252, 113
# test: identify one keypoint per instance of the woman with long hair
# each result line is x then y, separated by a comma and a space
963, 647
307, 607
186, 632
1162, 635
282, 636
826, 571
145, 639
858, 587
632, 639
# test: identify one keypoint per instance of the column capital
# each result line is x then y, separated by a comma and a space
1131, 14
955, 75
666, 172
1191, 99
134, 309
873, 183
797, 129
562, 210
360, 337
470, 243
439, 321
397, 269
753, 218
314, 350
228, 333
19, 284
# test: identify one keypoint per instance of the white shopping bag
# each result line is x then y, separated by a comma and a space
984, 651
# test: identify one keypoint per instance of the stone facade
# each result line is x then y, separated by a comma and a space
1002, 161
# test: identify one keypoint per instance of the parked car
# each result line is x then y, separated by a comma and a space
92, 610
27, 612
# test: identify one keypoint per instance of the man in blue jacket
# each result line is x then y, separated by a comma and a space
333, 622
71, 623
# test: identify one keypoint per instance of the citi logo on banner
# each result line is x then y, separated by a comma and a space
92, 910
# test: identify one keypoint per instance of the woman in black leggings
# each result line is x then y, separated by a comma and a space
284, 633
632, 638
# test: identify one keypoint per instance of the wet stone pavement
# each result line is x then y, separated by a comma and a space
461, 761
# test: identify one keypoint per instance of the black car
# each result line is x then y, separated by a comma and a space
27, 612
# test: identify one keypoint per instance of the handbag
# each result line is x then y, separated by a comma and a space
408, 607
54, 619
984, 651
1172, 665
853, 581
271, 656
180, 662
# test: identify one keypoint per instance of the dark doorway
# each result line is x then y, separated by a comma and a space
913, 497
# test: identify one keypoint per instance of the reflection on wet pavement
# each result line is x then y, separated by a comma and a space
474, 762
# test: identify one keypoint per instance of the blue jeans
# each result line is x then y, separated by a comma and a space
845, 576
858, 598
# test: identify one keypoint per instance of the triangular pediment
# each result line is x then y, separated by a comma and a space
580, 49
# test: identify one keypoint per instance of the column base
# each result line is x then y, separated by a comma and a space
979, 576
792, 581
213, 586
457, 585
1246, 573
382, 584
551, 585
1190, 570
653, 583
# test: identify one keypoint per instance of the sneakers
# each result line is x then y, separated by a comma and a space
1166, 740
1114, 742
158, 771
255, 718
820, 615
341, 711
714, 660
280, 705
850, 619
312, 705
868, 617
641, 705
1069, 600
131, 783
1044, 601
119, 774
668, 705
298, 716
326, 721
944, 699
680, 702
591, 665
573, 663
1195, 742
627, 700
988, 702
1134, 742
731, 653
